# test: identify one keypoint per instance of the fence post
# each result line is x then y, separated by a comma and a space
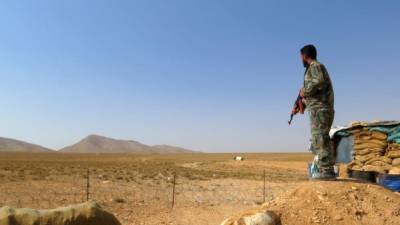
173, 190
88, 185
264, 188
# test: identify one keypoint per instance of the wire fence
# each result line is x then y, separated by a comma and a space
169, 190
162, 191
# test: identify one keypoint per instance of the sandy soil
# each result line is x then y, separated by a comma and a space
209, 188
138, 189
344, 202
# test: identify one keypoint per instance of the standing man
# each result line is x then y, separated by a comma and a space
319, 100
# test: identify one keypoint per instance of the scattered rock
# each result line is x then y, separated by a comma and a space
255, 218
315, 219
396, 212
359, 214
343, 203
119, 200
338, 218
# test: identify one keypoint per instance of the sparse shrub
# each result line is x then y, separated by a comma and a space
119, 200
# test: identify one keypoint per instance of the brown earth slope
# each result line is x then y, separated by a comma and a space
340, 202
168, 149
12, 145
100, 144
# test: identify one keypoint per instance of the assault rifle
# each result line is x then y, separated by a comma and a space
298, 107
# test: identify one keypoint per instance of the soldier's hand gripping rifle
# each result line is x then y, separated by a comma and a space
298, 107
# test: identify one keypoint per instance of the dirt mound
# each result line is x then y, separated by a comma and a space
337, 202
89, 213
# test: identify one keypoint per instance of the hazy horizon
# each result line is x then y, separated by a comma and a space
214, 76
195, 150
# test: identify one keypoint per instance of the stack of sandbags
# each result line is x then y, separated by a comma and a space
393, 152
369, 151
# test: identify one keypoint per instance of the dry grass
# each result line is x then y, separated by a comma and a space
14, 167
138, 187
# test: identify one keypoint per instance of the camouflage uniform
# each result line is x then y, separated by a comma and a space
319, 99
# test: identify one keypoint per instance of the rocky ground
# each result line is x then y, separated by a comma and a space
341, 202
209, 188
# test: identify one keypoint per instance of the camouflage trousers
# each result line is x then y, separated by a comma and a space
321, 121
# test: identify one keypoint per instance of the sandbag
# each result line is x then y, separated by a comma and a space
365, 158
89, 213
355, 167
382, 159
396, 162
377, 151
371, 168
393, 154
381, 143
367, 145
362, 152
379, 135
371, 150
368, 135
394, 147
394, 171
381, 164
357, 123
355, 163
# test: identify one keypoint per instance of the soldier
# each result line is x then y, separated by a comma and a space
319, 100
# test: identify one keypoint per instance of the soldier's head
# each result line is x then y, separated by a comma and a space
308, 53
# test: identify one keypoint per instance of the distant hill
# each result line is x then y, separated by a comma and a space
171, 149
101, 144
11, 145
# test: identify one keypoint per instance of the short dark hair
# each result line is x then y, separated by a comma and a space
309, 51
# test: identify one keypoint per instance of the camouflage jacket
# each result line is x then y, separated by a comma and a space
318, 90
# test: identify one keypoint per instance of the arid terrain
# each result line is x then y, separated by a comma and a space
138, 188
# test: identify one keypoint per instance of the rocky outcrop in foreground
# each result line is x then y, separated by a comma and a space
256, 217
89, 213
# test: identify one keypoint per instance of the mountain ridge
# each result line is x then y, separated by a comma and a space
101, 144
13, 145
95, 144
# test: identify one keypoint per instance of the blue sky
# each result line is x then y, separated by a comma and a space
211, 75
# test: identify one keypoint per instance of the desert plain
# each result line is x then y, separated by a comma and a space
139, 188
